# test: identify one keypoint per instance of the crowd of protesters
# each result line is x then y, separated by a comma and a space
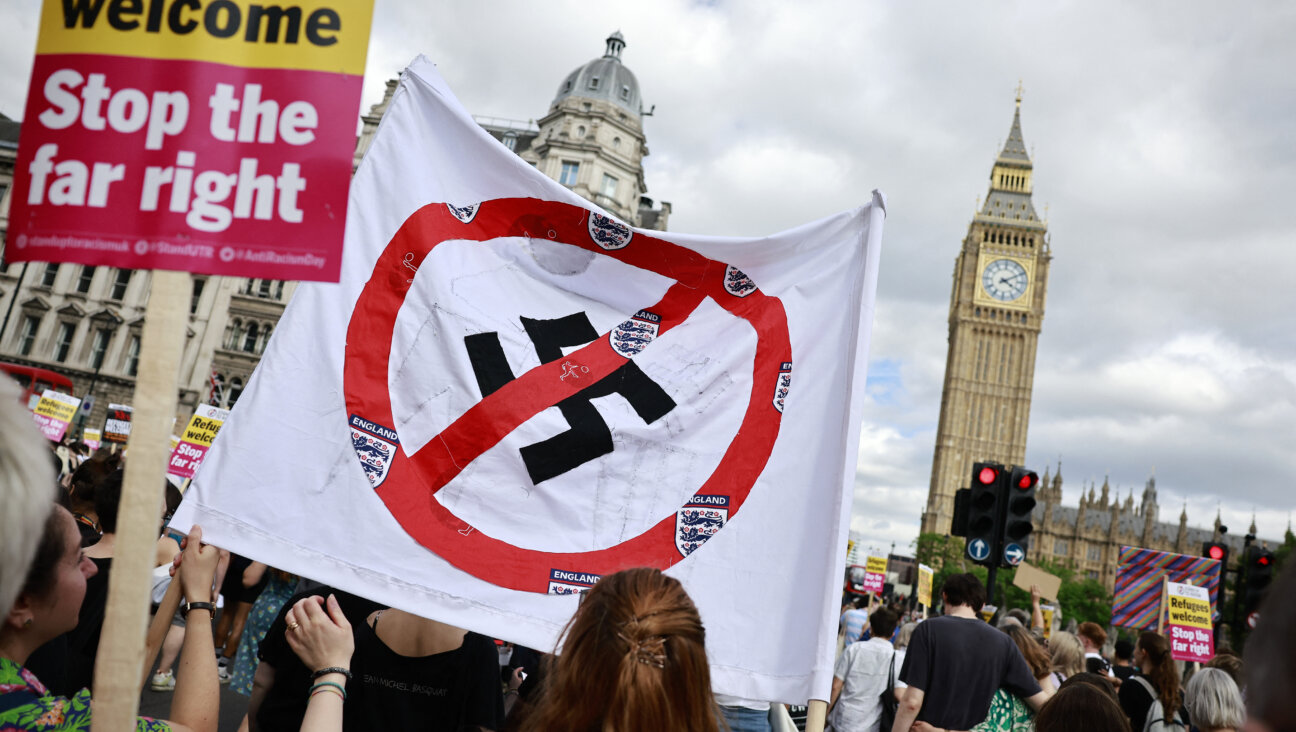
633, 657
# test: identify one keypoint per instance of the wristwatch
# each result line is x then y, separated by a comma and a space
208, 606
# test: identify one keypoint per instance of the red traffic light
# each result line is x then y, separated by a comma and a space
1264, 560
1027, 481
1216, 552
988, 476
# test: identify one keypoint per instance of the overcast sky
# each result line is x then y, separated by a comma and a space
1165, 149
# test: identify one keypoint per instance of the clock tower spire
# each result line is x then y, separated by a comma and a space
996, 309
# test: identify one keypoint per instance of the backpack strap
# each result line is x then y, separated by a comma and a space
1144, 682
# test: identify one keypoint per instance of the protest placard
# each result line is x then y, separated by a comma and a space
1188, 622
855, 576
91, 438
875, 574
218, 141
117, 426
54, 412
1049, 611
988, 612
1027, 574
925, 576
188, 453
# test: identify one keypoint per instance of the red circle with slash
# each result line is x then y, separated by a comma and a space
410, 481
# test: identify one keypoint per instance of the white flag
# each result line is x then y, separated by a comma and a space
511, 394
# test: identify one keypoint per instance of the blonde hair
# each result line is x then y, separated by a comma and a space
27, 490
1066, 653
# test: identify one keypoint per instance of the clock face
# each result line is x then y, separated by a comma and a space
1004, 279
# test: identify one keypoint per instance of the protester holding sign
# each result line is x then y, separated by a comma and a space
47, 606
27, 484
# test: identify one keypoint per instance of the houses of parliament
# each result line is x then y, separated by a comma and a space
996, 313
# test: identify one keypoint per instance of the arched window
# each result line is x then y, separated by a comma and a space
233, 334
265, 339
235, 391
250, 340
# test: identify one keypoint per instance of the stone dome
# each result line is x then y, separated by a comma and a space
605, 79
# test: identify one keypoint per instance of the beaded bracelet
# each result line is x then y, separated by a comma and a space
332, 670
324, 684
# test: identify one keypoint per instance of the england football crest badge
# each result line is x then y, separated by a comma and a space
607, 232
375, 445
699, 520
782, 385
564, 582
464, 213
634, 335
736, 283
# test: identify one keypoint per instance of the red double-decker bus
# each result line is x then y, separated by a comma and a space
35, 380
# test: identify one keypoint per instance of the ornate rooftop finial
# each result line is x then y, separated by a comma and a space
1183, 515
1252, 530
615, 43
1020, 91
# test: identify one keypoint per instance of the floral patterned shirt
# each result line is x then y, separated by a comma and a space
26, 705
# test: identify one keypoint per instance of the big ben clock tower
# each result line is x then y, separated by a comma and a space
996, 309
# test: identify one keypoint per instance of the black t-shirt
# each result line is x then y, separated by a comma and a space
1123, 672
959, 663
452, 691
284, 703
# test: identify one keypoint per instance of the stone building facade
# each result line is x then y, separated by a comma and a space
996, 310
1088, 536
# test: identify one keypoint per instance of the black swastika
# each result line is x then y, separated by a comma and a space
588, 436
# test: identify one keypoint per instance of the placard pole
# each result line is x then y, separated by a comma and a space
1161, 609
119, 668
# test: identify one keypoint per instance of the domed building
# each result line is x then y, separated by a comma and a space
591, 140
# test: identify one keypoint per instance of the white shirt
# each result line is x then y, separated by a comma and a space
863, 668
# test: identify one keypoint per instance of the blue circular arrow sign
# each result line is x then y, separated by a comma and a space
978, 549
1014, 554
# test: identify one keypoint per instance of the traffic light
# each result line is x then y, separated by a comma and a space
1259, 573
1017, 521
983, 511
1218, 551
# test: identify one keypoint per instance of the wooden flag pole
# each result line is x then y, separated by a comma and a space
119, 668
